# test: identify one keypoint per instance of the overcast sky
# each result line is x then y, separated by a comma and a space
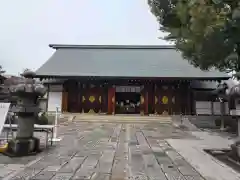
28, 26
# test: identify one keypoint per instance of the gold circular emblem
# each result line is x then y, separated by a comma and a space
91, 99
165, 100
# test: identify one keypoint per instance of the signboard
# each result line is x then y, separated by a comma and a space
54, 98
128, 89
4, 107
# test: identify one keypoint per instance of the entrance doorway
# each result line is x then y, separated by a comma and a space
127, 103
127, 100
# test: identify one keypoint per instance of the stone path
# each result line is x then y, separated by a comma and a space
193, 152
108, 151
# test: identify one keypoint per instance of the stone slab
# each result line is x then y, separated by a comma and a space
44, 175
73, 165
62, 176
101, 176
26, 174
192, 151
105, 163
5, 172
152, 167
194, 178
87, 169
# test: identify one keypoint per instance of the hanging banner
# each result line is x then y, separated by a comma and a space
4, 107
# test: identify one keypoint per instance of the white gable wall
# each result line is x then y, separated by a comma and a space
54, 98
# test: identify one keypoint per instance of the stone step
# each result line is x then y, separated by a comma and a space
125, 122
122, 119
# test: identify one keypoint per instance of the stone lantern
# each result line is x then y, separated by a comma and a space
26, 110
220, 94
234, 95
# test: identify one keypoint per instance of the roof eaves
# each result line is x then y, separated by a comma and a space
61, 46
136, 77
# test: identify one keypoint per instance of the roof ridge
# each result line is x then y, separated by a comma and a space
72, 46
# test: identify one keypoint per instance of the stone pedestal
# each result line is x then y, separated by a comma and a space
23, 146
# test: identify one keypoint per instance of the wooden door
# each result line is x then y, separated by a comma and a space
64, 101
73, 103
104, 98
92, 100
175, 101
164, 100
184, 99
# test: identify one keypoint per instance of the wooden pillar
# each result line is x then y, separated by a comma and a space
65, 97
80, 97
155, 99
142, 102
83, 97
151, 96
64, 101
111, 100
189, 100
146, 103
105, 100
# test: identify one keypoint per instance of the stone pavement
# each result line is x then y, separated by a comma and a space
208, 166
104, 151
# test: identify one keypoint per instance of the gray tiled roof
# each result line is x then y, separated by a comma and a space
121, 61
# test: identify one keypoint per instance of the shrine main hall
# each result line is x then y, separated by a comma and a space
124, 79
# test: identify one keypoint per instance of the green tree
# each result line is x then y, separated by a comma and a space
207, 32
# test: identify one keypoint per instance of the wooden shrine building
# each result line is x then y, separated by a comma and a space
116, 79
